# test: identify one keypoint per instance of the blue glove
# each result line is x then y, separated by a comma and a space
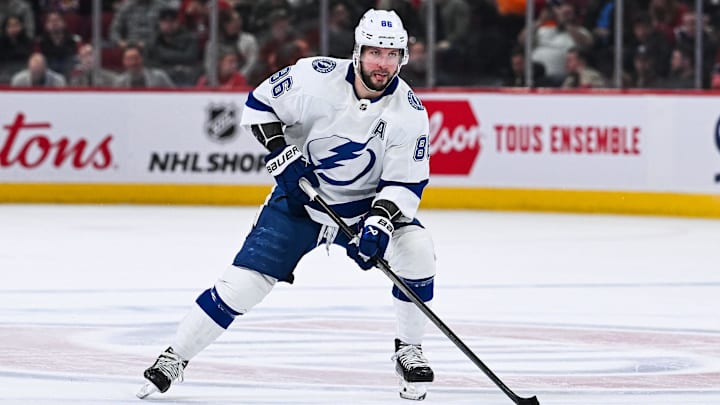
372, 241
288, 166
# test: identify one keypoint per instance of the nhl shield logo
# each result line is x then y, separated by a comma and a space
221, 122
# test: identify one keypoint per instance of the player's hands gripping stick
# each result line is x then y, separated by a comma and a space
372, 241
288, 166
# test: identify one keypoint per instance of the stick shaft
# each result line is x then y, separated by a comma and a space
383, 265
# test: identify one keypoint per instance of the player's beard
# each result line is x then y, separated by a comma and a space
373, 82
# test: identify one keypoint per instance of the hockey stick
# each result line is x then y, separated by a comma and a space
383, 265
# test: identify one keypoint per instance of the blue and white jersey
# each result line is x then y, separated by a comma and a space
363, 150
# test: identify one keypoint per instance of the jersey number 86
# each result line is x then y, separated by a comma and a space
281, 82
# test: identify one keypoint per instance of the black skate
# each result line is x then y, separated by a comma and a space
413, 369
167, 368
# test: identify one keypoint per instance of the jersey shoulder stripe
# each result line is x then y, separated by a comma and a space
256, 104
415, 188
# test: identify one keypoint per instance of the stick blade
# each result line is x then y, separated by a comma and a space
528, 401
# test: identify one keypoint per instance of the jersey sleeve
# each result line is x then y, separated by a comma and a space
406, 166
278, 98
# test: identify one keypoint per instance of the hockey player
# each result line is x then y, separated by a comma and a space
359, 135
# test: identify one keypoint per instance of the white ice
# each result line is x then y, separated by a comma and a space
574, 309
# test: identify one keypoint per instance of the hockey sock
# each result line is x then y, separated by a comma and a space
196, 331
235, 293
411, 322
410, 319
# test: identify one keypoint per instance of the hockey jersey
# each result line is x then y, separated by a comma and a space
363, 149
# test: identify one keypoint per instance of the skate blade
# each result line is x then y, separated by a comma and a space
413, 391
146, 390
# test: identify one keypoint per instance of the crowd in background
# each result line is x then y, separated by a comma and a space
164, 43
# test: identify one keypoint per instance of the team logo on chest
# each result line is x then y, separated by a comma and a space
323, 65
341, 161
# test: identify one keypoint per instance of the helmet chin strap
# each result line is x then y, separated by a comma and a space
358, 72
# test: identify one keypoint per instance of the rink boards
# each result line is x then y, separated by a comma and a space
579, 152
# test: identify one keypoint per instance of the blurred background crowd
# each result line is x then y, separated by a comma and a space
181, 43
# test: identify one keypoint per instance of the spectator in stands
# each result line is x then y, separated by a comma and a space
82, 75
15, 47
516, 77
579, 74
37, 74
653, 42
453, 22
682, 70
245, 8
175, 49
135, 22
645, 76
511, 17
63, 6
685, 38
556, 31
57, 44
340, 31
515, 7
229, 76
452, 19
136, 75
667, 15
289, 53
415, 72
263, 11
232, 37
685, 32
20, 9
280, 33
715, 78
195, 16
600, 20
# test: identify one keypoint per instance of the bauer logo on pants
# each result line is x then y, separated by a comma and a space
221, 122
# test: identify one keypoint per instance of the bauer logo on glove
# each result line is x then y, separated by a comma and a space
372, 241
276, 165
288, 166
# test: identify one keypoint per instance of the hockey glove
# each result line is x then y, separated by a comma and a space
372, 241
288, 166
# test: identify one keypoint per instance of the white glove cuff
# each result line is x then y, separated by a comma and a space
381, 223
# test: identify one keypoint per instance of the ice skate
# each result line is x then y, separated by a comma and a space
167, 368
413, 369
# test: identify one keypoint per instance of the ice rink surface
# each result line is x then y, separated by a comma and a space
579, 310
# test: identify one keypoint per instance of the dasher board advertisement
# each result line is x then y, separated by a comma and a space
621, 142
574, 141
124, 137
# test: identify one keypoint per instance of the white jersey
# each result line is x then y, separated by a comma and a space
363, 150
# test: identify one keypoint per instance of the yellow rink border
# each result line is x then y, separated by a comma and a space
610, 202
617, 202
187, 194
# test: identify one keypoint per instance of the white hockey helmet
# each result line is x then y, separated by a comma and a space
382, 29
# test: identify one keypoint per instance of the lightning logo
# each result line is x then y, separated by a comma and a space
344, 155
